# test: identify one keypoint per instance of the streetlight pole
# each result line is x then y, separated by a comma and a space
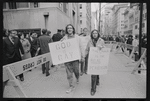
140, 29
99, 17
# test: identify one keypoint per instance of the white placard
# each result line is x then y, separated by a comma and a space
64, 51
98, 61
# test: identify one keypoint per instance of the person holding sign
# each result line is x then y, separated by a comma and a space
95, 41
73, 66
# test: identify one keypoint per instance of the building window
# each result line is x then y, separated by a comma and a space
136, 26
143, 25
80, 6
145, 15
34, 5
4, 5
80, 21
22, 5
12, 5
80, 14
65, 7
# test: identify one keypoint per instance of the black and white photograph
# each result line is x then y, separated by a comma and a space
74, 50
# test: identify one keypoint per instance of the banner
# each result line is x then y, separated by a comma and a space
98, 61
27, 64
64, 51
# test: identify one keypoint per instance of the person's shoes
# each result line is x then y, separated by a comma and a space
81, 74
92, 92
70, 89
43, 72
22, 79
47, 74
97, 84
77, 81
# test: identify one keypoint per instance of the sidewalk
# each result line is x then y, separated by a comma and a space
117, 83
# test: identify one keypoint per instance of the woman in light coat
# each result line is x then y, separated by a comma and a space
26, 46
95, 41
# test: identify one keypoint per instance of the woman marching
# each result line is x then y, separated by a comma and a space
95, 41
73, 66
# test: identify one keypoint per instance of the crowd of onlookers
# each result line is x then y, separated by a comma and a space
126, 39
18, 46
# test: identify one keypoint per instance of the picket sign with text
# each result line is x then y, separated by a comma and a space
98, 61
64, 51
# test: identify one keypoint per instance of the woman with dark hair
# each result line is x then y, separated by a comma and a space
95, 41
26, 46
73, 66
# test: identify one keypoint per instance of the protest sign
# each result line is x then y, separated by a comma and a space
98, 61
64, 51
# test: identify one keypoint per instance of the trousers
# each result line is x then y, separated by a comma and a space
72, 67
45, 68
94, 82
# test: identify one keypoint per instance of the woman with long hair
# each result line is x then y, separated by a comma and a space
73, 66
26, 46
95, 41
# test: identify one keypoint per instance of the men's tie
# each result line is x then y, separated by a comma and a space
12, 39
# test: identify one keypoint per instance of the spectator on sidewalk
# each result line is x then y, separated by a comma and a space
26, 46
129, 41
73, 66
34, 43
56, 37
12, 48
43, 43
135, 43
95, 41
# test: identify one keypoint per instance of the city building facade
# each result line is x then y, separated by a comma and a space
118, 18
31, 15
85, 16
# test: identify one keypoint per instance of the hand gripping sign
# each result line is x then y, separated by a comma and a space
65, 51
98, 61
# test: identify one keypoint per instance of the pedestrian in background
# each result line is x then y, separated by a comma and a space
12, 48
73, 66
95, 41
34, 43
26, 46
135, 43
86, 38
49, 33
129, 41
56, 37
43, 42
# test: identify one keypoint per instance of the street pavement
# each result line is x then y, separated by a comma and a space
117, 83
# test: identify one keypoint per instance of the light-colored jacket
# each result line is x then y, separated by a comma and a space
78, 38
100, 43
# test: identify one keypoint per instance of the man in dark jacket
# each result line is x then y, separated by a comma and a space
129, 41
11, 47
34, 43
43, 43
57, 36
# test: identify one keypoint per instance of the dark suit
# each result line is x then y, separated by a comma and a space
57, 37
34, 46
43, 43
11, 51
